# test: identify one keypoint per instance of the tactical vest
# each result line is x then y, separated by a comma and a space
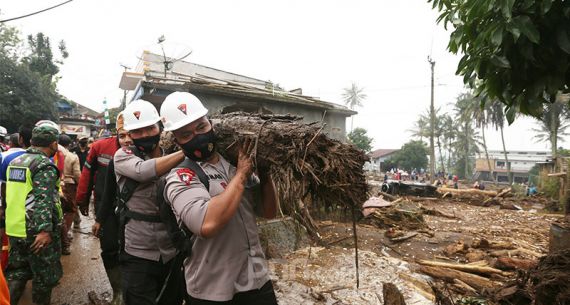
19, 199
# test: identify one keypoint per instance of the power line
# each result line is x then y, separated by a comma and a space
35, 13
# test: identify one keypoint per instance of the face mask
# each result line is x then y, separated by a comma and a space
147, 144
201, 147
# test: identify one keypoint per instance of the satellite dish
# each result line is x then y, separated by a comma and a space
171, 53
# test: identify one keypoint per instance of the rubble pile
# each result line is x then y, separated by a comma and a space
471, 251
404, 215
546, 283
305, 164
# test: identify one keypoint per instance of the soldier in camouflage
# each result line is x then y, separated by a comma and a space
33, 219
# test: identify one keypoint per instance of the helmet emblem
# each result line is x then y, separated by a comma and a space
137, 114
182, 107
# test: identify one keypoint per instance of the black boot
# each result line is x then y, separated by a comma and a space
16, 288
114, 275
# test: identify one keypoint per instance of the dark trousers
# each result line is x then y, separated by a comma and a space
262, 296
109, 241
143, 281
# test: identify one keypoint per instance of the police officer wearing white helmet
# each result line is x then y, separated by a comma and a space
3, 134
227, 264
147, 252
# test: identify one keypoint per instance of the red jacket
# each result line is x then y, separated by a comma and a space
94, 170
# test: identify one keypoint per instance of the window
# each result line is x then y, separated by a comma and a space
502, 164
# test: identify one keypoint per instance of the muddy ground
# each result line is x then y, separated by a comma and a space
329, 276
326, 275
83, 271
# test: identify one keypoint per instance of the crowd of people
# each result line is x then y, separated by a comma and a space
174, 227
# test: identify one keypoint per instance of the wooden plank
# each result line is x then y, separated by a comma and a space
463, 267
449, 275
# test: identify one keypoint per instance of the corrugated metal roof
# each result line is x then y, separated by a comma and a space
379, 153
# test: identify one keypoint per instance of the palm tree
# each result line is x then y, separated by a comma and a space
449, 135
480, 111
438, 133
467, 137
497, 119
353, 97
552, 126
421, 128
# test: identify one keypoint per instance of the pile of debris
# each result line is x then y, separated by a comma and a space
308, 167
487, 265
489, 254
399, 214
545, 284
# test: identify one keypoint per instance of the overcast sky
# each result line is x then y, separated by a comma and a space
321, 46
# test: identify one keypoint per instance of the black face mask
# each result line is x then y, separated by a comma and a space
147, 144
201, 147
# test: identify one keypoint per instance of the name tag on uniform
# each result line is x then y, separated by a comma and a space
17, 175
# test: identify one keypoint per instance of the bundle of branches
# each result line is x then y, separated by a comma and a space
551, 279
307, 166
547, 283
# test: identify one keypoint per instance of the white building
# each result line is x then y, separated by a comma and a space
520, 162
377, 158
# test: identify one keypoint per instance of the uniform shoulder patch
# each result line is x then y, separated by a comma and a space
17, 174
185, 175
128, 151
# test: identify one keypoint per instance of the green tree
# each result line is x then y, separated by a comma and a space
412, 155
9, 41
562, 152
421, 127
552, 125
24, 97
360, 139
27, 87
41, 59
517, 52
353, 97
449, 133
467, 137
497, 119
481, 114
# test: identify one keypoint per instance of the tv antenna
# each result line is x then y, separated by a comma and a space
176, 52
125, 67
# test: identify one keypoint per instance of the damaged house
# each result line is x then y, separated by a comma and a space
156, 76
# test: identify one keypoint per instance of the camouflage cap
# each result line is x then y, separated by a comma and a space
44, 133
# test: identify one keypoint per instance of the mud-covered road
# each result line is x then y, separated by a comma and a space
82, 271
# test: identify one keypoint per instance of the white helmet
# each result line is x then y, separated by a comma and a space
49, 123
180, 109
3, 131
139, 114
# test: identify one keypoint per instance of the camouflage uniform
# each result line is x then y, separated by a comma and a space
42, 214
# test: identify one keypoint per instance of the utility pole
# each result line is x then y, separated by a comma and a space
432, 126
124, 101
